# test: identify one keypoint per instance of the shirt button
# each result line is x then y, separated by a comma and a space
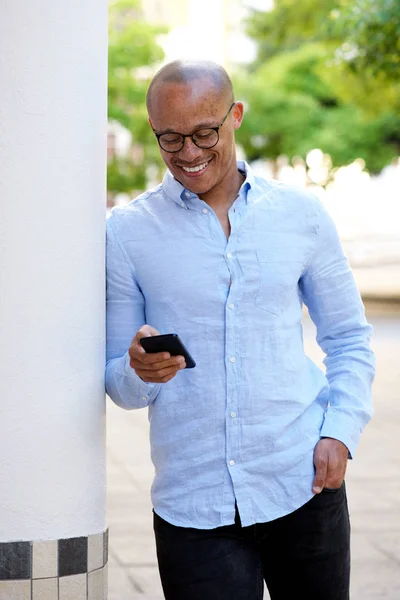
233, 415
144, 398
231, 305
231, 462
183, 204
232, 359
205, 211
229, 255
187, 194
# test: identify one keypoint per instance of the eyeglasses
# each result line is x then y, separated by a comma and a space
202, 138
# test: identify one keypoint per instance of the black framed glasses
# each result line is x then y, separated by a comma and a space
203, 138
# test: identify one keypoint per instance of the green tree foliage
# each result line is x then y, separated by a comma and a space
371, 30
133, 55
304, 91
289, 25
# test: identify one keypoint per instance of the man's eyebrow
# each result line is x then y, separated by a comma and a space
169, 130
206, 125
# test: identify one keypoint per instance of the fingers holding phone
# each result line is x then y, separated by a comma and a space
158, 367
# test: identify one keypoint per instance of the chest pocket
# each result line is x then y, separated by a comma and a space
278, 273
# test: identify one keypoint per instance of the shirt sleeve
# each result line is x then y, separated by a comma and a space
125, 312
334, 303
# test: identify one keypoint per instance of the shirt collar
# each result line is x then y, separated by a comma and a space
180, 195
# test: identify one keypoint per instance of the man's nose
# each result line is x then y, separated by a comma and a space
190, 151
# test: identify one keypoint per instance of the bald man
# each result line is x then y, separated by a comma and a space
250, 447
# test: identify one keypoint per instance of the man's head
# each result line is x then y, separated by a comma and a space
185, 97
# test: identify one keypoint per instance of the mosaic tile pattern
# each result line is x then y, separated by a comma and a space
15, 560
72, 556
67, 569
45, 559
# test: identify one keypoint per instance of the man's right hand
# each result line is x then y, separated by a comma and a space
153, 368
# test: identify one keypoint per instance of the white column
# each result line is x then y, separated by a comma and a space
53, 74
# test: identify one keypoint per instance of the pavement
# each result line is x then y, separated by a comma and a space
373, 484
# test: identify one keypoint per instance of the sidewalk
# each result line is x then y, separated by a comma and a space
373, 484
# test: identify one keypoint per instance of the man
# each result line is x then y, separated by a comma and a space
250, 447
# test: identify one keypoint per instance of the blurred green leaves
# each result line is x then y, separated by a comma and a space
133, 54
289, 25
371, 30
325, 77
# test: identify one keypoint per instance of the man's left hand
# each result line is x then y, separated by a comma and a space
330, 461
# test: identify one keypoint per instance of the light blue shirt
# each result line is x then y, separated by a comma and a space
242, 425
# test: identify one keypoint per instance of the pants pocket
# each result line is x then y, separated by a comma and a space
333, 490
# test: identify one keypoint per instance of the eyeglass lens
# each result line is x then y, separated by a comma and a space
203, 138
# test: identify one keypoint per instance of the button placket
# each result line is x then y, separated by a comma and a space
232, 431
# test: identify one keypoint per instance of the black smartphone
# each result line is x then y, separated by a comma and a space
170, 342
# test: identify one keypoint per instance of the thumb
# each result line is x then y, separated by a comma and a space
321, 468
146, 331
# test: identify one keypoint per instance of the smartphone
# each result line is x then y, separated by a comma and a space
170, 342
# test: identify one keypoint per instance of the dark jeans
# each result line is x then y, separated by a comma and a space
305, 554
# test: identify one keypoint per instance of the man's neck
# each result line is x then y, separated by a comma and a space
223, 196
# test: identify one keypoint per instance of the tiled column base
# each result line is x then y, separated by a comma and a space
70, 569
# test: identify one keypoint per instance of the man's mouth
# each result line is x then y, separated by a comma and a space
196, 169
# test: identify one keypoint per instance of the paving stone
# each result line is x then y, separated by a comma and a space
119, 584
375, 580
147, 578
135, 549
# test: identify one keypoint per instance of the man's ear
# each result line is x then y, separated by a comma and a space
150, 123
238, 112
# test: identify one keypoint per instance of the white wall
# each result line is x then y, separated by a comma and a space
52, 209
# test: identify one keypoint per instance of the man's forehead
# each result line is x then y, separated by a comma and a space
188, 102
191, 91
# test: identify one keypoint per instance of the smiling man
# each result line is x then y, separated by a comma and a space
192, 98
250, 447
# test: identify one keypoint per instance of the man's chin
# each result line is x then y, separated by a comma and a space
194, 185
198, 189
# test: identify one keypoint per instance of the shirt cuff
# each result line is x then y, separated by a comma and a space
147, 391
340, 427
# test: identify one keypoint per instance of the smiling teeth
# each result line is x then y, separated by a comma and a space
195, 169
